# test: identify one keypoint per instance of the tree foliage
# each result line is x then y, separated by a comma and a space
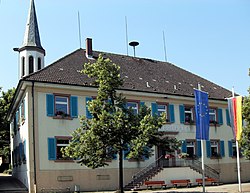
113, 127
5, 101
245, 139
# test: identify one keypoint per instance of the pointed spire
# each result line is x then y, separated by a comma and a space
31, 36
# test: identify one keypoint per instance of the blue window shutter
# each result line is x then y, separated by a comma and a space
154, 109
142, 103
51, 148
222, 148
208, 148
198, 148
50, 105
15, 123
183, 146
230, 148
182, 113
88, 114
228, 117
23, 108
20, 150
24, 150
146, 149
74, 106
220, 117
114, 156
171, 113
125, 152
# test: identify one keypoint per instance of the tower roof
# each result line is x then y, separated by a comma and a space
31, 36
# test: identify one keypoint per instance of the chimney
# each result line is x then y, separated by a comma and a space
89, 52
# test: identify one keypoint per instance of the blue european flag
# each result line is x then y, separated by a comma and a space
202, 115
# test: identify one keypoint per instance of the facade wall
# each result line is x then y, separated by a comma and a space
20, 137
61, 174
88, 180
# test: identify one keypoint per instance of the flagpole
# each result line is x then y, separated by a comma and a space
238, 155
202, 157
238, 164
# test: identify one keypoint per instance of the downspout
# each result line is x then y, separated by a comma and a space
33, 127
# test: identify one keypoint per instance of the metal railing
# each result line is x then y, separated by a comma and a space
156, 164
146, 173
209, 171
155, 167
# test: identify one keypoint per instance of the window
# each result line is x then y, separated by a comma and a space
214, 148
189, 116
31, 64
212, 116
55, 146
234, 151
190, 149
39, 64
23, 66
162, 109
61, 143
159, 108
216, 116
133, 106
22, 112
61, 105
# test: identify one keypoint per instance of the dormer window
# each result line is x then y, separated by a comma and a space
31, 64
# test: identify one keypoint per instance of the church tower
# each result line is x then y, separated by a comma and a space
31, 53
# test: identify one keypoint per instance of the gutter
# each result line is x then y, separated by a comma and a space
33, 128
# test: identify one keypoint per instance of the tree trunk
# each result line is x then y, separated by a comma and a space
121, 171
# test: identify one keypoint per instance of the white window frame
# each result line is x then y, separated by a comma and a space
136, 108
215, 144
214, 113
234, 148
62, 103
61, 145
163, 110
190, 111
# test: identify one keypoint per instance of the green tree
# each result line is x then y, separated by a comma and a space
5, 101
113, 127
245, 138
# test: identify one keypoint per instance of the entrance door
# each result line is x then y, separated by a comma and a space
167, 158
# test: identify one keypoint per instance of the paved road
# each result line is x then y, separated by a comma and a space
11, 184
227, 188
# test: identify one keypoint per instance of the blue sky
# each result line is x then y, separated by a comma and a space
209, 38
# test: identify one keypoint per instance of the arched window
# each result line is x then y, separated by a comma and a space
31, 64
23, 66
39, 65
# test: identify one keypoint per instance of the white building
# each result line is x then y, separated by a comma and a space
48, 101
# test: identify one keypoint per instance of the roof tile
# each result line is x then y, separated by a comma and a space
140, 74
